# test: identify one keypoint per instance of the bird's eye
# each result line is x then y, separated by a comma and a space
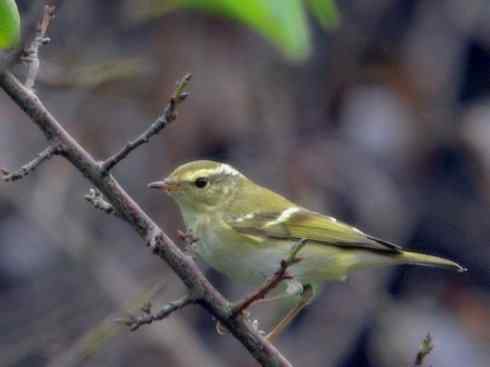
201, 182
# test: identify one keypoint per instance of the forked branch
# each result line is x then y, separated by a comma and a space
27, 168
206, 295
168, 115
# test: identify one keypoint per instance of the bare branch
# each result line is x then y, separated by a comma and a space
168, 115
189, 241
27, 168
425, 348
135, 322
31, 53
280, 275
206, 295
96, 198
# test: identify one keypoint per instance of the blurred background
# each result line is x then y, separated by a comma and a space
377, 113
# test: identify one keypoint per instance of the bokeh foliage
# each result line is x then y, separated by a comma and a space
282, 22
9, 24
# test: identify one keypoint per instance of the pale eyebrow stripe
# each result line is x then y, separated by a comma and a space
227, 169
208, 172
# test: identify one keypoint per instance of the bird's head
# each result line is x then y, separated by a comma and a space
201, 186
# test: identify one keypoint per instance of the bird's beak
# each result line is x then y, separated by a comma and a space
166, 185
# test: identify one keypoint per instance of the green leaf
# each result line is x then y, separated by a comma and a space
9, 24
325, 11
282, 22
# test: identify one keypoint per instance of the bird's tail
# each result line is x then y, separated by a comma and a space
408, 257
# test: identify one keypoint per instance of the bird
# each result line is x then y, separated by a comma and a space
245, 231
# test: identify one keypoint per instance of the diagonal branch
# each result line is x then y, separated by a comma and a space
27, 168
279, 276
206, 295
168, 115
135, 322
31, 53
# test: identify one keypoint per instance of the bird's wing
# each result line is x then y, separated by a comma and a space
297, 223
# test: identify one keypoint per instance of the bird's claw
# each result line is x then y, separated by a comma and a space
221, 329
255, 325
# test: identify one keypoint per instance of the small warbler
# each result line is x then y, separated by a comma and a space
245, 230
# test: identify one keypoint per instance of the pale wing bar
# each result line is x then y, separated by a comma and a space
299, 223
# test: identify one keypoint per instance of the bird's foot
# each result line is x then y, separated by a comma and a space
222, 330
255, 325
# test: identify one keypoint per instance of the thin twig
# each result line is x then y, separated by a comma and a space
27, 168
135, 322
31, 54
425, 348
279, 276
168, 115
30, 21
184, 266
96, 198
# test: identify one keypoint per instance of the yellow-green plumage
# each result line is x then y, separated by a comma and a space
245, 230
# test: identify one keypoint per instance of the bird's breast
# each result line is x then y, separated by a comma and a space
239, 257
248, 260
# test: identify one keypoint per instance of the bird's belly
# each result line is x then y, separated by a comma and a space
247, 263
252, 263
